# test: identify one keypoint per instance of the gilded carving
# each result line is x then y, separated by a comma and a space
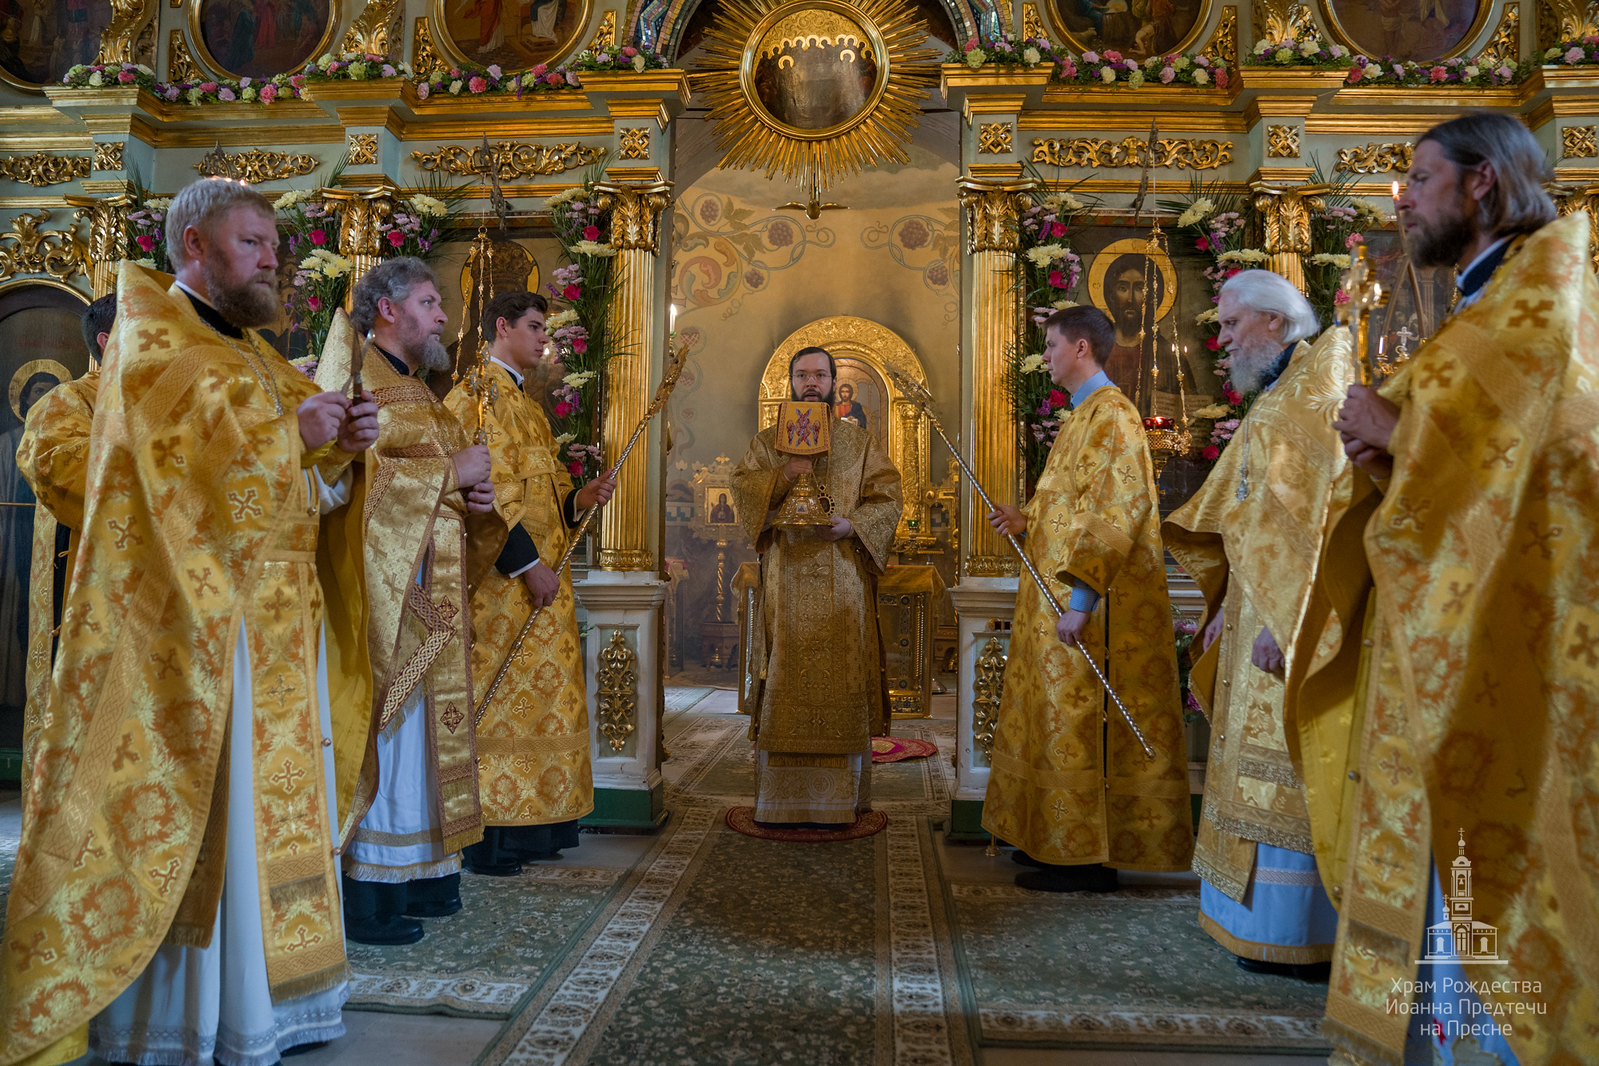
106, 219
993, 138
627, 558
1587, 200
1374, 158
362, 149
363, 217
633, 143
27, 249
635, 213
617, 698
1577, 142
1575, 18
1223, 46
1285, 225
992, 566
993, 213
605, 36
987, 688
181, 66
512, 159
1284, 20
376, 30
425, 57
1098, 152
44, 168
108, 155
256, 165
1032, 23
123, 39
1282, 142
1504, 48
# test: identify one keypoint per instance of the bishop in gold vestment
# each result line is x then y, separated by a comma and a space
817, 653
407, 758
1069, 784
179, 802
1251, 538
534, 775
1472, 711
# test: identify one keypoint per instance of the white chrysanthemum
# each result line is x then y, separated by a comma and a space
579, 379
559, 319
427, 206
1197, 212
1045, 254
291, 198
1215, 410
1329, 259
1243, 255
1032, 364
1031, 56
1061, 305
604, 251
1206, 317
576, 192
160, 203
565, 439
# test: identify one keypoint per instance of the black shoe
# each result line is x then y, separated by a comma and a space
488, 860
387, 931
433, 897
1026, 860
1314, 972
1093, 878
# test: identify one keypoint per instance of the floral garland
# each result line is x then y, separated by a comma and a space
1575, 53
580, 331
1047, 270
1311, 51
473, 81
1091, 68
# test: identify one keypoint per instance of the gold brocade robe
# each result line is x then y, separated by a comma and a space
53, 456
1255, 560
1054, 790
818, 654
533, 738
200, 516
407, 535
1477, 711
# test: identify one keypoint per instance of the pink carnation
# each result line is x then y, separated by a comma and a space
1166, 75
1437, 74
1573, 55
269, 93
477, 85
1113, 56
422, 90
1353, 239
1090, 57
1355, 74
571, 78
125, 76
207, 86
1221, 79
226, 93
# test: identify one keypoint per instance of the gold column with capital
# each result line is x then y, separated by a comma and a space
1285, 218
363, 217
636, 207
107, 216
993, 209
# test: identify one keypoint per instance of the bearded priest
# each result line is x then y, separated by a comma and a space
1251, 538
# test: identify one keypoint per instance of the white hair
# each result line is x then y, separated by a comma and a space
1273, 294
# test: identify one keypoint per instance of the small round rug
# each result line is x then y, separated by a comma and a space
742, 819
894, 749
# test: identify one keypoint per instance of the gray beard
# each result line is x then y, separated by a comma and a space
244, 306
434, 356
1249, 366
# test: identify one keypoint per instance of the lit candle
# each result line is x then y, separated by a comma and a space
671, 318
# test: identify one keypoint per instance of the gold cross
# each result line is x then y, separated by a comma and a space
153, 338
1587, 645
1532, 315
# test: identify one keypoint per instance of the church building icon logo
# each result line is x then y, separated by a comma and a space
1460, 937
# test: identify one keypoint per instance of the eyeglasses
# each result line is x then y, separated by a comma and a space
809, 375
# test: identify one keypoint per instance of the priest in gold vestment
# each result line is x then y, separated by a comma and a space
418, 527
534, 777
1453, 752
817, 655
1251, 539
1071, 788
176, 882
54, 458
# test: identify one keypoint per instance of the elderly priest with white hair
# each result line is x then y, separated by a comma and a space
1251, 538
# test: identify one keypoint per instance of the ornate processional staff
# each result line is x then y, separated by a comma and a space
674, 370
923, 399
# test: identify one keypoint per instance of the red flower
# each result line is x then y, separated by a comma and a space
580, 345
318, 236
1437, 74
145, 242
571, 292
1057, 398
313, 304
591, 233
1221, 79
1202, 245
574, 468
1056, 279
1058, 229
1213, 344
1355, 74
477, 85
1211, 451
396, 238
563, 409
1234, 270
1233, 397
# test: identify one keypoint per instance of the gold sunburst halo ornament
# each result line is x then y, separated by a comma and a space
815, 89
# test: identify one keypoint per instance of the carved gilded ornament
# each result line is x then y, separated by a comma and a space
1284, 20
1097, 152
512, 159
1282, 142
1576, 18
994, 138
1223, 46
181, 66
1583, 200
376, 31
1374, 158
1577, 142
107, 235
44, 168
108, 155
28, 249
635, 213
130, 34
992, 214
633, 143
992, 566
1284, 215
425, 58
605, 36
1504, 48
256, 165
988, 687
362, 149
1032, 22
617, 699
363, 218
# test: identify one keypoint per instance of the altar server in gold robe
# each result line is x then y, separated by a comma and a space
176, 880
1457, 754
53, 456
419, 521
817, 651
1070, 787
1251, 538
534, 776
